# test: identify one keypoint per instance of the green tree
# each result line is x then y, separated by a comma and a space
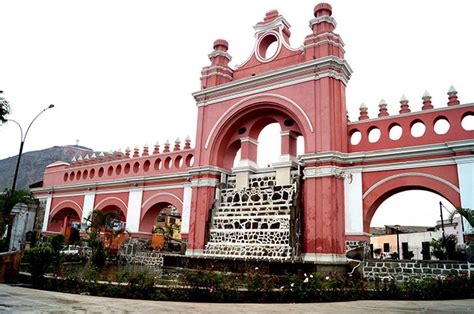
444, 247
466, 213
8, 200
100, 229
4, 109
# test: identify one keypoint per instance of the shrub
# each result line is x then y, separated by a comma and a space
141, 285
39, 260
56, 242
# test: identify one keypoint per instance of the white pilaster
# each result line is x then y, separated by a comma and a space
134, 209
186, 214
466, 188
88, 207
353, 203
47, 208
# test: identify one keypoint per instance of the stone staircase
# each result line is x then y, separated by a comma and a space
255, 222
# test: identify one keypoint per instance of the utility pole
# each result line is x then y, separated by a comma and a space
442, 220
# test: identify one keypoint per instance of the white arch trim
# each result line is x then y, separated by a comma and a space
110, 198
413, 174
214, 127
66, 201
160, 194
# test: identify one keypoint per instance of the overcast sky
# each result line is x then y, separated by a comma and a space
121, 73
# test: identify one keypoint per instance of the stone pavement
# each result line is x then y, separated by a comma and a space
19, 299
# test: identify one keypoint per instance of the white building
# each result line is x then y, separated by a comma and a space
414, 239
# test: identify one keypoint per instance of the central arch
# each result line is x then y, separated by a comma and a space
247, 118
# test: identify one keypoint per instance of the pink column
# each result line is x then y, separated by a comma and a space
288, 143
201, 203
248, 149
323, 219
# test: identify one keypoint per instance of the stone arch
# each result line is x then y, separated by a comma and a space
152, 207
262, 110
383, 189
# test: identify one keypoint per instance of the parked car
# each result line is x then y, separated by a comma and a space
70, 250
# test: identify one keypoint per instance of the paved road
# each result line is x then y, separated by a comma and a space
18, 299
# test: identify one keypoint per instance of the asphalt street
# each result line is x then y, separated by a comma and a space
20, 299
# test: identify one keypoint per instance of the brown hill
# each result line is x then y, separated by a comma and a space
33, 164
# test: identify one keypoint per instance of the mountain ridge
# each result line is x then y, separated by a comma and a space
33, 164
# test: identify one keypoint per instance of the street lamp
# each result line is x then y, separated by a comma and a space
23, 137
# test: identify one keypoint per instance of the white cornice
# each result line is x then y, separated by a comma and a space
217, 53
111, 183
63, 193
272, 86
249, 139
289, 133
322, 19
333, 61
322, 42
323, 171
216, 67
216, 74
208, 170
278, 21
316, 37
204, 182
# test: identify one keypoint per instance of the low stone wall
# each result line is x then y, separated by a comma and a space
404, 270
146, 258
135, 251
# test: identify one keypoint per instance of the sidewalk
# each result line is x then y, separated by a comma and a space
18, 299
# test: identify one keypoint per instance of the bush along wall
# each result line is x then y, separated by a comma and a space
206, 286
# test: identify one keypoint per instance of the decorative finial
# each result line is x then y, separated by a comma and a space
145, 150
221, 45
110, 155
363, 115
135, 151
187, 143
156, 149
452, 96
452, 90
322, 9
177, 144
101, 157
93, 158
127, 152
426, 101
167, 147
383, 112
118, 154
404, 106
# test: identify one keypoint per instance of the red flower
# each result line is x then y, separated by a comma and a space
361, 281
449, 278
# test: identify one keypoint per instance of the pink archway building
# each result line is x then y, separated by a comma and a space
318, 201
